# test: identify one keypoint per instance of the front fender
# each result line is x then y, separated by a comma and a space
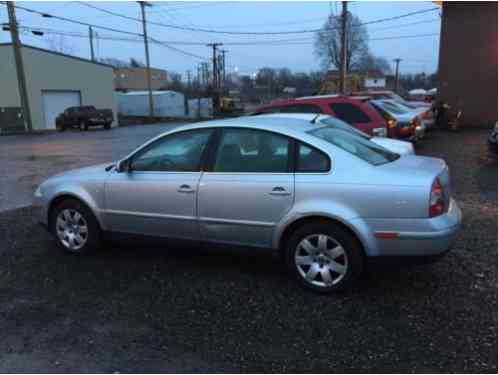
91, 196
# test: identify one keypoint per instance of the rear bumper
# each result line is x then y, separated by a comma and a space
414, 237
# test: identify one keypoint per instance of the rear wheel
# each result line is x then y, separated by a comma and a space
75, 228
107, 125
324, 257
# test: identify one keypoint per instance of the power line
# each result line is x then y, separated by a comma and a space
213, 31
46, 15
283, 42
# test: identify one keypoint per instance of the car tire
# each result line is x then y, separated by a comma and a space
61, 128
75, 228
324, 257
107, 126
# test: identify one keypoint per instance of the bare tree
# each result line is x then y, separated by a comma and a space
328, 42
116, 63
59, 44
374, 65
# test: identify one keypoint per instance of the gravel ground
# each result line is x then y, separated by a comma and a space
180, 309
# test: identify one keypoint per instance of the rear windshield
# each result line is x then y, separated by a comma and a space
357, 146
338, 124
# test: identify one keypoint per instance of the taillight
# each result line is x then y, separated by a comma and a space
436, 201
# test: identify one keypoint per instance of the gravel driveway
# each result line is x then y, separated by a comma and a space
180, 309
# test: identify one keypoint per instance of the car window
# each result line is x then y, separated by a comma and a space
301, 108
360, 147
309, 160
349, 113
249, 150
180, 152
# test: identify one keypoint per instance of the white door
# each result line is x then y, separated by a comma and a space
55, 102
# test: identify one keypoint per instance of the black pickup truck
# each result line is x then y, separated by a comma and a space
83, 117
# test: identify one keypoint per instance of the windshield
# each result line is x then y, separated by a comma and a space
397, 98
393, 107
338, 124
357, 146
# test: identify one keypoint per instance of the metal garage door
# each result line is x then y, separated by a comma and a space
55, 102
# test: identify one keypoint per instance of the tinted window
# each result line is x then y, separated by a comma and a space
360, 147
349, 113
301, 108
309, 159
181, 152
247, 150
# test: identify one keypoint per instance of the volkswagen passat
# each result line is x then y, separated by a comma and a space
326, 199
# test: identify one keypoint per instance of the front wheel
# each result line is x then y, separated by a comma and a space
324, 257
75, 228
107, 125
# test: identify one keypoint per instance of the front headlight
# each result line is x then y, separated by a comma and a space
38, 193
495, 129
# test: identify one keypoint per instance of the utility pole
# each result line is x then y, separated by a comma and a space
189, 78
199, 91
216, 90
90, 34
344, 46
396, 74
21, 77
143, 4
223, 59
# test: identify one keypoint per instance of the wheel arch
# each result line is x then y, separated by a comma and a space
303, 220
56, 200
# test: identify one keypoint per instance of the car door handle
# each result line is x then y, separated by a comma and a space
279, 190
185, 189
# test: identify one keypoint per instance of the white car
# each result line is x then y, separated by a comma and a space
399, 147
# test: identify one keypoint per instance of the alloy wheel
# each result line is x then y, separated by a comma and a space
72, 229
321, 260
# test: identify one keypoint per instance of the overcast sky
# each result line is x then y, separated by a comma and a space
418, 54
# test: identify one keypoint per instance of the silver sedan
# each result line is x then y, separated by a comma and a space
326, 199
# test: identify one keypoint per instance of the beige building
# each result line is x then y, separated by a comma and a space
135, 79
54, 81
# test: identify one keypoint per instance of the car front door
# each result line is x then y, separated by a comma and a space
248, 187
158, 195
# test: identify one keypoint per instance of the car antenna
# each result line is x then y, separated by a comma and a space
315, 118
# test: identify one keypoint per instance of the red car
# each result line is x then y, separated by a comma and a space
352, 111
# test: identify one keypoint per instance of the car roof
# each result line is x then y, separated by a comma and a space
290, 124
326, 99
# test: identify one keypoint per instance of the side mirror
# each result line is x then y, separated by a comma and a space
124, 166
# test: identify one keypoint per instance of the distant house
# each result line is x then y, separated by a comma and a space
468, 60
135, 79
374, 82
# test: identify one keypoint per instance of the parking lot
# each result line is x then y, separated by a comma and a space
134, 308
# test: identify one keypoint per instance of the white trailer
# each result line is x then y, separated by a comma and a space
166, 104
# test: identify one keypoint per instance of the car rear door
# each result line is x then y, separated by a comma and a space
248, 187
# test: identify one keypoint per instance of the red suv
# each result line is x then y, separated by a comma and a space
352, 111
